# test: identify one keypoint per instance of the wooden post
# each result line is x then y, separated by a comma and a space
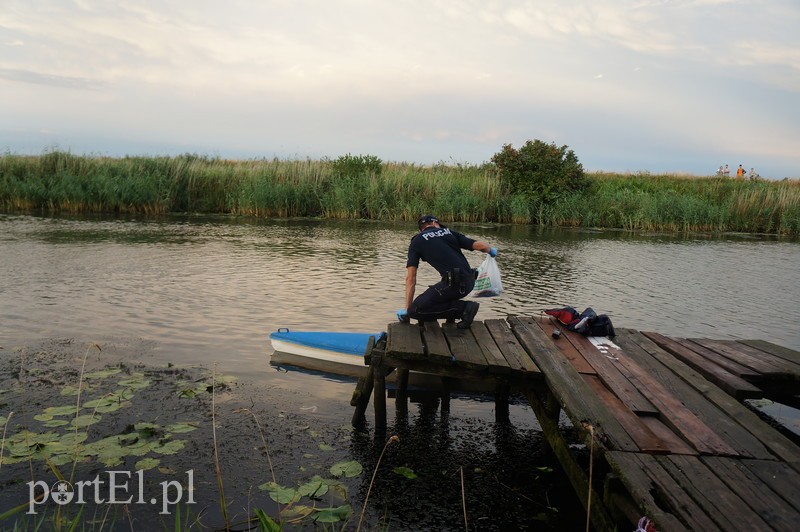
401, 400
361, 396
379, 376
501, 402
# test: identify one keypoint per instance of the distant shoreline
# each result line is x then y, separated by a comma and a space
59, 182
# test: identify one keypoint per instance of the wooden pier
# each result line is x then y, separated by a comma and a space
662, 419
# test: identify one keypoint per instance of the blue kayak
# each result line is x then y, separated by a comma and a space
335, 352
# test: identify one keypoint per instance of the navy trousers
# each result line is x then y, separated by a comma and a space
442, 301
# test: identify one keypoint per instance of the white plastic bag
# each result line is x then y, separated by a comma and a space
488, 283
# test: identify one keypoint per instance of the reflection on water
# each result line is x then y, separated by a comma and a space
212, 289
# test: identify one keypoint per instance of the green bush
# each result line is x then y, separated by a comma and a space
542, 172
352, 166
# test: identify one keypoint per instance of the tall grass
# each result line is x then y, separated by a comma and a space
61, 182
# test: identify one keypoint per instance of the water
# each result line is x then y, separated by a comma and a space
208, 291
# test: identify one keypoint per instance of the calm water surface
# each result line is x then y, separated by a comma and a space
213, 289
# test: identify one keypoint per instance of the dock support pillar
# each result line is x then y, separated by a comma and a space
401, 399
361, 397
501, 402
379, 377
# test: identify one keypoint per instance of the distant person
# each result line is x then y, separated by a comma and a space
719, 172
740, 172
753, 174
727, 172
441, 248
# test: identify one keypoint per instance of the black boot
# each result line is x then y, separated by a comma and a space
468, 315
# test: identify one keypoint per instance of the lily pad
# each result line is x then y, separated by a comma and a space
102, 374
85, 420
55, 423
171, 447
333, 515
179, 428
348, 469
147, 463
280, 494
73, 390
60, 410
405, 471
326, 447
314, 489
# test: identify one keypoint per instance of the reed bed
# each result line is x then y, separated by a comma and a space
62, 182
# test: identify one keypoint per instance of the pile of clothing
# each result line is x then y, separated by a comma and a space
588, 322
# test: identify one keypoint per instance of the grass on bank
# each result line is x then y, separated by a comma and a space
63, 182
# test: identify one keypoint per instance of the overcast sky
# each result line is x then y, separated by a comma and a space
649, 85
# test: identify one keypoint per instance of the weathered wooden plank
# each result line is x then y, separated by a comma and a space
610, 372
772, 442
464, 348
774, 349
495, 360
435, 343
568, 386
405, 340
734, 385
763, 366
513, 352
729, 365
780, 477
690, 481
674, 442
569, 351
785, 368
657, 493
723, 504
673, 410
647, 441
758, 496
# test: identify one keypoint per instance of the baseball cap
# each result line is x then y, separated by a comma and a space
426, 219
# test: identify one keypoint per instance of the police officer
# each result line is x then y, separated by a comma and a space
441, 248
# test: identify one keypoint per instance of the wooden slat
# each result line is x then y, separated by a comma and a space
513, 352
495, 360
779, 476
569, 351
435, 343
752, 436
774, 349
610, 372
464, 347
659, 495
674, 442
761, 365
734, 385
647, 441
757, 495
729, 365
685, 478
568, 386
785, 368
722, 503
673, 411
405, 340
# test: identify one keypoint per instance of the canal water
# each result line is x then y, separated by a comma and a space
208, 290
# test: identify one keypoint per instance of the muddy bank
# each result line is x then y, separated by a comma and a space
136, 444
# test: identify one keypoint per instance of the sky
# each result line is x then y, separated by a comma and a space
658, 86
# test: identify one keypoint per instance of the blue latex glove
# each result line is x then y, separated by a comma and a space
402, 316
493, 252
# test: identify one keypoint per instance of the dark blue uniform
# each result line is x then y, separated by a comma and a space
441, 248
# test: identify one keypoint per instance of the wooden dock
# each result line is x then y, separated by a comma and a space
662, 419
